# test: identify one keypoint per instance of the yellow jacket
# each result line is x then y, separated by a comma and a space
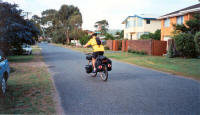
95, 47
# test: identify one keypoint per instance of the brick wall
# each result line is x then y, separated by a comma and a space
151, 47
140, 45
167, 31
109, 43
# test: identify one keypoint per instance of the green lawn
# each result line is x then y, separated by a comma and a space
30, 89
21, 58
177, 66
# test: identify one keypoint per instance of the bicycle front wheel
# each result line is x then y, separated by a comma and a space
104, 74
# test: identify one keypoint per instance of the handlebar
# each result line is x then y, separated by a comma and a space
88, 53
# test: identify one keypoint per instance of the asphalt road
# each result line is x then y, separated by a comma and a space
129, 90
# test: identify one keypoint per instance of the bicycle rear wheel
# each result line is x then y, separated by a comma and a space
104, 74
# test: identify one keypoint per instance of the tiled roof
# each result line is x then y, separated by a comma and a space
184, 9
144, 16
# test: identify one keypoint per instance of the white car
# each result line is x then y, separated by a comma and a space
27, 49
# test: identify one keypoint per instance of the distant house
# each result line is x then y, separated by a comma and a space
177, 17
137, 25
89, 32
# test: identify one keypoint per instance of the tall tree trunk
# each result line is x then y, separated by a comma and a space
67, 37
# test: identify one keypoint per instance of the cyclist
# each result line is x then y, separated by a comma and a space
98, 49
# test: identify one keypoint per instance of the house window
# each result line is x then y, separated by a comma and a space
180, 20
130, 24
167, 23
140, 22
148, 21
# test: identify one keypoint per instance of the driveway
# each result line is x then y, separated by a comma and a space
129, 90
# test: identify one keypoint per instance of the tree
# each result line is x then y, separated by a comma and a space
36, 20
185, 44
122, 34
75, 22
67, 20
14, 29
84, 39
102, 26
187, 37
50, 22
197, 43
192, 26
70, 18
109, 36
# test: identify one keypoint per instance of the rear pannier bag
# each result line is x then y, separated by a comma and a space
109, 62
98, 63
89, 57
88, 68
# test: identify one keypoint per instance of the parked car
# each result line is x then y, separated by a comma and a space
27, 49
4, 73
44, 42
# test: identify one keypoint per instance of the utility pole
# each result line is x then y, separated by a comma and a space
26, 14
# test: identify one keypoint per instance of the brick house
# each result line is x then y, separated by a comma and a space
137, 25
177, 17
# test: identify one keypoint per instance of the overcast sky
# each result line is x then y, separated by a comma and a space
115, 11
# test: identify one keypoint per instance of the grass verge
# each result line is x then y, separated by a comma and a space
30, 87
178, 66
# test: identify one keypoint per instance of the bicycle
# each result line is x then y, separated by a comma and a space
103, 65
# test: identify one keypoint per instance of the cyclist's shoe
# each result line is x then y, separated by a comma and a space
94, 71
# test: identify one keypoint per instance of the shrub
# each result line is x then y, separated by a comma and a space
155, 36
129, 51
72, 44
197, 42
185, 45
137, 52
109, 36
147, 36
170, 53
83, 40
106, 48
59, 37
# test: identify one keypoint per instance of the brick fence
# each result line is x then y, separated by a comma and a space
151, 47
109, 44
114, 45
140, 45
